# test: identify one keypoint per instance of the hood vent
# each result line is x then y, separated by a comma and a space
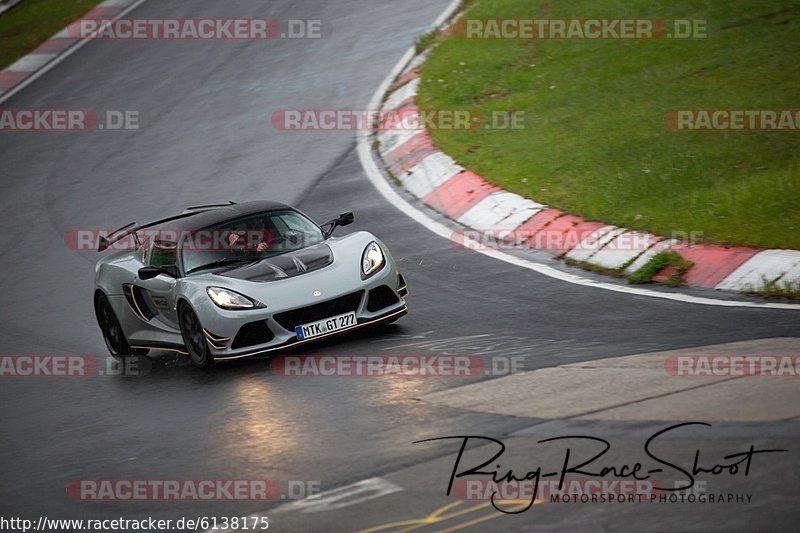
285, 266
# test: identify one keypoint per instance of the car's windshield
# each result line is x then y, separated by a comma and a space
248, 239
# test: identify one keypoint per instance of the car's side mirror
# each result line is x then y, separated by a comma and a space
342, 220
150, 272
345, 219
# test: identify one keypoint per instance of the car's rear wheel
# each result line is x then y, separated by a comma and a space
194, 339
113, 335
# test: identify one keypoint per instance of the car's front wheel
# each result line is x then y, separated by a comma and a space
194, 339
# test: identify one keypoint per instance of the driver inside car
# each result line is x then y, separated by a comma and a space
256, 237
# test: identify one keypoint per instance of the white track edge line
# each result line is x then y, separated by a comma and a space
38, 73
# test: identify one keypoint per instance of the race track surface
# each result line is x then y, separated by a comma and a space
205, 135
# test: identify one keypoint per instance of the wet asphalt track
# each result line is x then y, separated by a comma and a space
205, 135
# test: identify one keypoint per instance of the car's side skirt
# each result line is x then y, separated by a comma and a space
166, 348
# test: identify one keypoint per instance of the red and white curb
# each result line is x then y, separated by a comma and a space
436, 180
59, 45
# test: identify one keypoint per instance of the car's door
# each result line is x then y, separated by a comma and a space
155, 298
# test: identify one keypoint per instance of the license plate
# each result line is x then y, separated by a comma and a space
326, 325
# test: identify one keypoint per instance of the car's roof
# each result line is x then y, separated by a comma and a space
196, 218
205, 218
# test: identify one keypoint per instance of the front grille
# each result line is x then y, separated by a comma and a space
381, 298
312, 313
253, 333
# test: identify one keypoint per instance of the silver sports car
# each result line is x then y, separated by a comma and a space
228, 281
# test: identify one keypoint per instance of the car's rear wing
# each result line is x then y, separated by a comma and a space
105, 241
118, 234
206, 207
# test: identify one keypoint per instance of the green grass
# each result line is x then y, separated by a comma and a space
32, 22
595, 142
433, 36
659, 262
778, 289
426, 40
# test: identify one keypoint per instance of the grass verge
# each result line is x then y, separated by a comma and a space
32, 22
595, 142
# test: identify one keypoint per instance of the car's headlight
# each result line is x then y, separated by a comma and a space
228, 299
372, 260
